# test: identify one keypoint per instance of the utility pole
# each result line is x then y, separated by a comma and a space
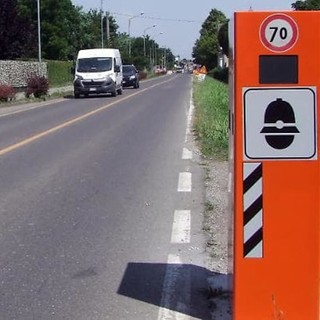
144, 38
101, 13
108, 29
39, 31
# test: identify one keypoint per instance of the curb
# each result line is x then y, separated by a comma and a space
21, 95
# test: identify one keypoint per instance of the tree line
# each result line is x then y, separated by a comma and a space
66, 28
214, 34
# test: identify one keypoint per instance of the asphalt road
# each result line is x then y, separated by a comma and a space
92, 195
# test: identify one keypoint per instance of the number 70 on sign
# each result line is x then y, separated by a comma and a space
278, 32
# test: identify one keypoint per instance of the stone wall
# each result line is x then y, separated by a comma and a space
16, 73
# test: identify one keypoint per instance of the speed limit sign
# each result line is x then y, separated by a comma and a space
279, 32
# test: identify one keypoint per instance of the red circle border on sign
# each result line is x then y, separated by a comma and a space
290, 44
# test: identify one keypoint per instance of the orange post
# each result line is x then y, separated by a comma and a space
276, 62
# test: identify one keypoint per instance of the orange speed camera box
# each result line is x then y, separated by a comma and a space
275, 68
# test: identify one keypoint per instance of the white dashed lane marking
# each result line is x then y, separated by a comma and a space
171, 309
186, 154
185, 182
181, 227
189, 119
168, 311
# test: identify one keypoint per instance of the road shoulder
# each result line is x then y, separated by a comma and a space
216, 223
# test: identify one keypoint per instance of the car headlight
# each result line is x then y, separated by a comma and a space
77, 81
108, 80
77, 77
132, 77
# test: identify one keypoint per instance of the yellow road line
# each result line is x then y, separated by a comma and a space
70, 122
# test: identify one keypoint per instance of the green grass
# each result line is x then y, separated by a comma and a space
211, 117
59, 73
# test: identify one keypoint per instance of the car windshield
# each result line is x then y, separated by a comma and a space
128, 69
94, 64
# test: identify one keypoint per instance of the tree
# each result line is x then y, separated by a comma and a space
205, 51
17, 38
65, 28
306, 5
61, 26
137, 58
170, 58
121, 42
223, 37
207, 46
58, 22
113, 29
91, 30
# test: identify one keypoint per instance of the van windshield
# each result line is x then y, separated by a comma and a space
94, 64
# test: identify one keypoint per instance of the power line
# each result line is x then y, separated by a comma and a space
157, 18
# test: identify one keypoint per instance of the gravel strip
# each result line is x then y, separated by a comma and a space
216, 220
215, 225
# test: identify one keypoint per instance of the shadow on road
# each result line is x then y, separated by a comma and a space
180, 288
91, 96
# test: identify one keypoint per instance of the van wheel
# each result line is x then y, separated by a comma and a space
114, 93
119, 91
76, 95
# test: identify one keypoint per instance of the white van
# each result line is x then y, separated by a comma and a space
98, 71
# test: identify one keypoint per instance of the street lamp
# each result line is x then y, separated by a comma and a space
129, 26
39, 31
144, 38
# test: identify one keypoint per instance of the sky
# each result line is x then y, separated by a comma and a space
177, 22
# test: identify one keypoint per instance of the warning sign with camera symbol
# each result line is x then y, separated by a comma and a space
280, 123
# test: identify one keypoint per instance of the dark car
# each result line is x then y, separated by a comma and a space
130, 76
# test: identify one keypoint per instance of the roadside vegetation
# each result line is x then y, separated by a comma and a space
59, 73
211, 117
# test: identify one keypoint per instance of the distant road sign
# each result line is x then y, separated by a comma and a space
279, 32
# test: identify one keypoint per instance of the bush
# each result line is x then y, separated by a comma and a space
7, 93
221, 74
37, 85
143, 75
161, 72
